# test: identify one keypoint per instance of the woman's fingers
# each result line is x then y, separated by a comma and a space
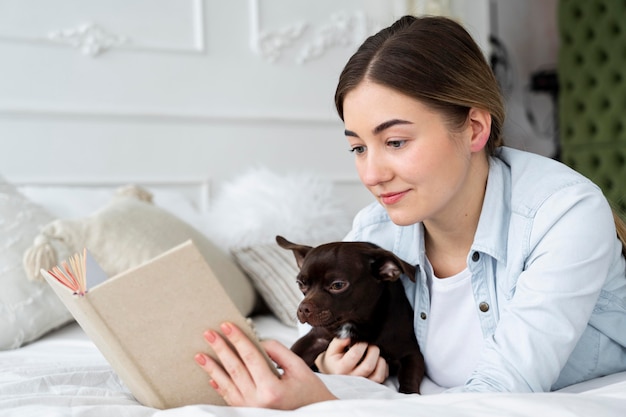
298, 386
246, 379
288, 361
228, 377
373, 366
234, 379
359, 359
334, 359
251, 365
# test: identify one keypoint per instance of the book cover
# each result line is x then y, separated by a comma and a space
149, 321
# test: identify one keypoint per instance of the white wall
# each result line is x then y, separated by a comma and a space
95, 89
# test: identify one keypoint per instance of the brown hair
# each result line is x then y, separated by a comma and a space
620, 225
434, 60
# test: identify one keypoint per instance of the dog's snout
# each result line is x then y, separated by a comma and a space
304, 310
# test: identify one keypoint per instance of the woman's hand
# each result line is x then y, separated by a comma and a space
359, 359
245, 379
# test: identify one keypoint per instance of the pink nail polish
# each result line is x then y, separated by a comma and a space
210, 336
200, 359
226, 328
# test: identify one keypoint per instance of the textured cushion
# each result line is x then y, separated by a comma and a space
129, 231
592, 93
28, 309
259, 204
254, 207
273, 271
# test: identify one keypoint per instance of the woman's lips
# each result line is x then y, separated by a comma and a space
392, 198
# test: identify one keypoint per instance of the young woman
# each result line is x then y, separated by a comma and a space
521, 282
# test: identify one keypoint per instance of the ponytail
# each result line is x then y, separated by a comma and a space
620, 226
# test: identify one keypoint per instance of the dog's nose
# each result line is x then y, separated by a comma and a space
304, 310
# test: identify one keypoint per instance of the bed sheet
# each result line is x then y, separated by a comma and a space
64, 374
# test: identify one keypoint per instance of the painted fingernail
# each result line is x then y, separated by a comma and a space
210, 336
200, 359
226, 328
214, 385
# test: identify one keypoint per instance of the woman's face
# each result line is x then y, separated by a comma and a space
406, 156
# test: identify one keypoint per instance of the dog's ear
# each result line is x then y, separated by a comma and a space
299, 251
389, 267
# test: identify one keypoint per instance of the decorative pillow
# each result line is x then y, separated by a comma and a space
28, 309
250, 211
260, 204
273, 272
129, 231
72, 202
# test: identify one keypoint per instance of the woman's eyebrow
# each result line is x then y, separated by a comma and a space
388, 124
381, 127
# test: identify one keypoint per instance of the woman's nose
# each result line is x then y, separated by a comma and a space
373, 171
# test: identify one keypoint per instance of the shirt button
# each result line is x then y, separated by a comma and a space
484, 307
423, 315
475, 256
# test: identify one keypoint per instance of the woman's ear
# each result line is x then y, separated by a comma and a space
480, 122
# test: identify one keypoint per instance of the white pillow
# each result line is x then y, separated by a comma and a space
129, 231
252, 209
260, 204
28, 309
70, 202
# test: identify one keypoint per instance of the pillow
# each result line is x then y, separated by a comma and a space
129, 231
260, 204
28, 309
273, 272
66, 202
251, 210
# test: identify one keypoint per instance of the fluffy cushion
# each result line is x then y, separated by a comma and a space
252, 209
28, 309
260, 204
129, 231
273, 271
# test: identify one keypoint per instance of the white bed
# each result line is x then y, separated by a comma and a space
63, 374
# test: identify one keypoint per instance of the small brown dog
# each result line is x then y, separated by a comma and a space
352, 289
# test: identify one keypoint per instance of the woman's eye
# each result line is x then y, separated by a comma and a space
357, 149
338, 286
396, 143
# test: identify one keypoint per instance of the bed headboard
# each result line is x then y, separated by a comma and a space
199, 191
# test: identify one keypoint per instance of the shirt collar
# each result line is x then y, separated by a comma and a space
492, 233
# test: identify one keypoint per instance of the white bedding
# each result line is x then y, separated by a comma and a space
63, 374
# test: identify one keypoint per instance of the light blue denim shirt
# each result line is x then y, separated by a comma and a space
548, 276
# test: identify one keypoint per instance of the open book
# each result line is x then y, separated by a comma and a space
149, 321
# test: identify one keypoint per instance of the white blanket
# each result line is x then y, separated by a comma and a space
63, 374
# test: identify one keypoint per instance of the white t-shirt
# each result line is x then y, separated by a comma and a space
454, 338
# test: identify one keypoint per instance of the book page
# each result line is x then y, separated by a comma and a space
95, 273
79, 273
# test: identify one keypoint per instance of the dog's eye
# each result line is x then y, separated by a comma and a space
338, 286
301, 284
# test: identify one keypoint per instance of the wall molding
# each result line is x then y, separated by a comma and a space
92, 39
89, 38
340, 29
111, 114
